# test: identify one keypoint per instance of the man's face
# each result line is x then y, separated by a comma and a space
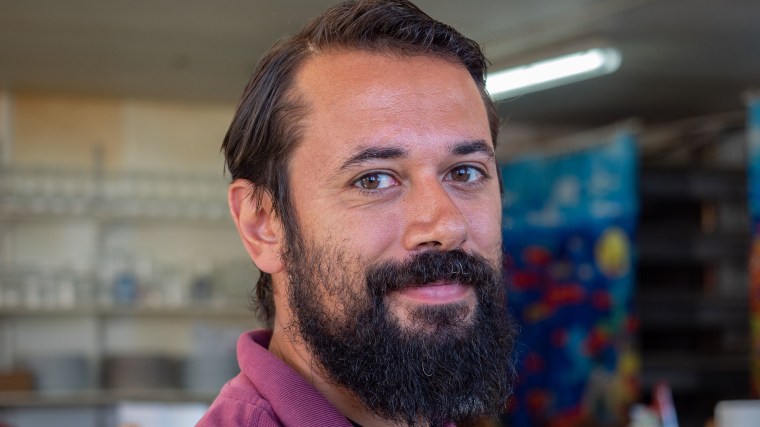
396, 158
394, 277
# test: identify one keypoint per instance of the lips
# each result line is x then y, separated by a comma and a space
439, 292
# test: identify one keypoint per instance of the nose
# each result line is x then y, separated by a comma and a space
433, 219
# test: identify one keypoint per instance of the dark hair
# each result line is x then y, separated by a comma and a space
267, 124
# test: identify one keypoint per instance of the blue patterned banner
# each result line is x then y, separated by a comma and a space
753, 136
568, 226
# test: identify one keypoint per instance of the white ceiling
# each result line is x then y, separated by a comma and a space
680, 57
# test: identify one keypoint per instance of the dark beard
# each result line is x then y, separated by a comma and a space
456, 367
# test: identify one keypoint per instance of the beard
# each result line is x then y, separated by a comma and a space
452, 363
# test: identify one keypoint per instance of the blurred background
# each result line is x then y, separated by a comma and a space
628, 208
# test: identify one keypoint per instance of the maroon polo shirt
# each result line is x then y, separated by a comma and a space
268, 392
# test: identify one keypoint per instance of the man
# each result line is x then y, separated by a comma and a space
366, 190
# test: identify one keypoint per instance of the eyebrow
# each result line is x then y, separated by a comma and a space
374, 153
385, 153
470, 147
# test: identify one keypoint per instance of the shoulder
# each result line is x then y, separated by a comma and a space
268, 392
239, 404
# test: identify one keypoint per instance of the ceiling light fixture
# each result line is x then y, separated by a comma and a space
552, 72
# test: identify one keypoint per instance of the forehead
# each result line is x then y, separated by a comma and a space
357, 97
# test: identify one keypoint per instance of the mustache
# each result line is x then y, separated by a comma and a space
430, 266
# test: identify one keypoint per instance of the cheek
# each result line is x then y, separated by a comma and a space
374, 234
485, 228
364, 235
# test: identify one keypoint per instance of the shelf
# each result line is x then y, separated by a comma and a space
693, 184
100, 397
179, 312
41, 193
681, 309
693, 372
679, 361
109, 211
666, 246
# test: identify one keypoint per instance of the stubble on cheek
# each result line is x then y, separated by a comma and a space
329, 277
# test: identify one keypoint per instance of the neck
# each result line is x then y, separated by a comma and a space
292, 351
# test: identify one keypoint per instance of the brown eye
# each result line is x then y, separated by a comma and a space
370, 182
461, 174
465, 174
375, 181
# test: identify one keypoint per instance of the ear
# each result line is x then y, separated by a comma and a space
258, 226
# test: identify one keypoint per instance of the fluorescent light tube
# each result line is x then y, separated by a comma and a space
552, 72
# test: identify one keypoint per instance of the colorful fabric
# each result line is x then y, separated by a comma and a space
568, 227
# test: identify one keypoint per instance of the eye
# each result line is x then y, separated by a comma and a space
465, 174
375, 181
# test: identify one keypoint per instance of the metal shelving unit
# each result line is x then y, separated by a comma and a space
694, 241
106, 202
204, 312
100, 398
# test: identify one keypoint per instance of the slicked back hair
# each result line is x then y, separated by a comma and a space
267, 124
